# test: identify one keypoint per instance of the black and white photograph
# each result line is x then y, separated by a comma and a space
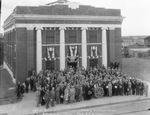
74, 57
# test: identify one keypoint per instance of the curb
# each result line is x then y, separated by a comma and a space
12, 100
86, 107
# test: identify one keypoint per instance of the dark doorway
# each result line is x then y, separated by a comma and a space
72, 64
50, 65
93, 62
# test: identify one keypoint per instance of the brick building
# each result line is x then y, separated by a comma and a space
147, 41
1, 49
55, 36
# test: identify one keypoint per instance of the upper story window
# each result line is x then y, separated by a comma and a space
50, 36
72, 36
93, 36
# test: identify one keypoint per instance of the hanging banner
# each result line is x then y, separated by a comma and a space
72, 55
93, 52
51, 53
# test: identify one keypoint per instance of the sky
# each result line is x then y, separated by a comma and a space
136, 12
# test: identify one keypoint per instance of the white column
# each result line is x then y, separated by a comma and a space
62, 48
104, 47
84, 48
38, 50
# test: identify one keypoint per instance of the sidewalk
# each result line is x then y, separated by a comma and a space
28, 104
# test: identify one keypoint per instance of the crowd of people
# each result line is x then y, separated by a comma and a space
77, 84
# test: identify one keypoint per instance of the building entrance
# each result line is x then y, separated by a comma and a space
50, 65
72, 64
93, 62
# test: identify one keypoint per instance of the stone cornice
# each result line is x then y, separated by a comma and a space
68, 17
11, 19
63, 25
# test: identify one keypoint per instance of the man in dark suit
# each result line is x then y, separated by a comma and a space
61, 95
27, 82
42, 93
18, 90
47, 98
52, 96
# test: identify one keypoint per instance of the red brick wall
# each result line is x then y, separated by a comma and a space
30, 51
21, 54
13, 52
118, 41
111, 45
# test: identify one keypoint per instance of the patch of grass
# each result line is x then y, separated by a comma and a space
5, 84
7, 89
137, 67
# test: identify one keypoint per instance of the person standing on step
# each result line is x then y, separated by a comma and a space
38, 96
57, 94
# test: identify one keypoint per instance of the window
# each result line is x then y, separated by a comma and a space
72, 36
50, 36
93, 36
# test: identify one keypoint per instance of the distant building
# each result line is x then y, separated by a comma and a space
138, 50
56, 36
131, 40
136, 46
147, 41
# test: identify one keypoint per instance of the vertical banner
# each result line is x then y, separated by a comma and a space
93, 53
51, 53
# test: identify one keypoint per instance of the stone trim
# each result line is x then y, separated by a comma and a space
63, 25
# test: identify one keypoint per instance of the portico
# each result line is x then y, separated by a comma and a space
62, 45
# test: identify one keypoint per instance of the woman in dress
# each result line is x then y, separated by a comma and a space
72, 94
81, 93
110, 89
66, 94
38, 97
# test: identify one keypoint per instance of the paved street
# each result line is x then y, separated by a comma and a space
28, 105
130, 108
